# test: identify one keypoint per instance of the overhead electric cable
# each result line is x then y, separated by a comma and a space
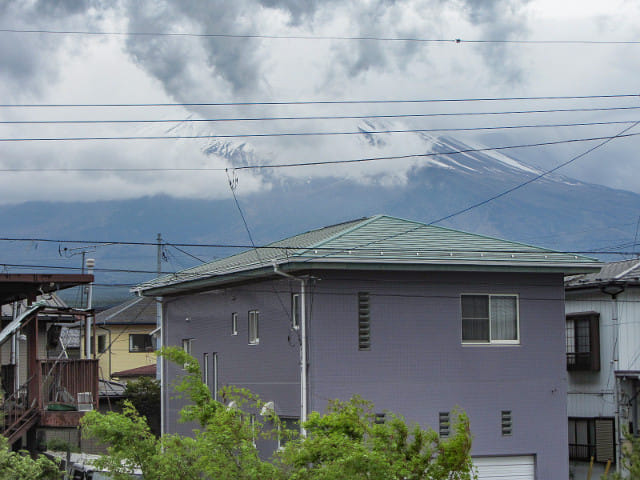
314, 37
319, 162
373, 116
335, 133
318, 102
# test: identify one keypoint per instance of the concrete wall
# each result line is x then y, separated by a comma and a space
417, 365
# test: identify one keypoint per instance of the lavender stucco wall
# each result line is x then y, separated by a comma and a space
417, 365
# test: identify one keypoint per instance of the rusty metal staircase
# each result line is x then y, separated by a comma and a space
21, 425
18, 417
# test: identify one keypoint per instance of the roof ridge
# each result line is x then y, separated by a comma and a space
628, 270
363, 221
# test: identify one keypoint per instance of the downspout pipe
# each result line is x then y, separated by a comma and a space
615, 289
303, 346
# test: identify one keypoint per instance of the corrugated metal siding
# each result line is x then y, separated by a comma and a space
591, 393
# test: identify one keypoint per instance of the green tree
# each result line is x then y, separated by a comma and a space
144, 395
20, 466
346, 442
630, 459
349, 442
221, 448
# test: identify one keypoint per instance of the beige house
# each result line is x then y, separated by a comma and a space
123, 336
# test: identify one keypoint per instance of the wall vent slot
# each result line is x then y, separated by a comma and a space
364, 324
444, 424
506, 422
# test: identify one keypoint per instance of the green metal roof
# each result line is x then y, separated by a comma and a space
384, 241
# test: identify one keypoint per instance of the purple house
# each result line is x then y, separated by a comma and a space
418, 319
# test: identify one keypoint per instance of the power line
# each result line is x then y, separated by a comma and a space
361, 117
316, 163
316, 37
318, 102
280, 246
293, 134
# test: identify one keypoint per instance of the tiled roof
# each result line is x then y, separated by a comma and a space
382, 240
138, 310
625, 271
145, 370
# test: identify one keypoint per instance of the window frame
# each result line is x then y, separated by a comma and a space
253, 334
144, 349
588, 361
102, 338
296, 311
234, 323
492, 342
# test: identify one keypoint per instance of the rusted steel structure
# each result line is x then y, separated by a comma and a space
56, 391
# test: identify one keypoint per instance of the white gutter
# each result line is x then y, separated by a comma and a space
303, 347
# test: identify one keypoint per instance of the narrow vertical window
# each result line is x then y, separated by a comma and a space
215, 376
205, 369
296, 311
234, 323
364, 327
102, 343
254, 337
186, 346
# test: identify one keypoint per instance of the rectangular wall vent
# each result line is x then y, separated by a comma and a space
506, 422
444, 424
364, 325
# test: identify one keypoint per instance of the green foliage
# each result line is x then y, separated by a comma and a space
59, 445
630, 459
348, 443
20, 466
144, 395
344, 443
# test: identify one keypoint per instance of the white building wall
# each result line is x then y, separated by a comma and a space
629, 315
591, 394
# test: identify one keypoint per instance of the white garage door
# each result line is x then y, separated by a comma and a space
503, 468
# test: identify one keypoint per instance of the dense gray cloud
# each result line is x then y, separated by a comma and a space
112, 69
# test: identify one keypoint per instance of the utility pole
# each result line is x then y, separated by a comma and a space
160, 338
89, 318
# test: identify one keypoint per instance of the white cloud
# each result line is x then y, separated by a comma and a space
115, 69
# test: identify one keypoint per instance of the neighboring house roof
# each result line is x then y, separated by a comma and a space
50, 300
379, 242
109, 388
16, 286
137, 311
144, 371
624, 272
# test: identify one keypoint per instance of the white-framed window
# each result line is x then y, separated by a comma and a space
187, 344
490, 319
234, 323
296, 311
254, 334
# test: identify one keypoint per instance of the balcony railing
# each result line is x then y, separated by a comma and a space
61, 380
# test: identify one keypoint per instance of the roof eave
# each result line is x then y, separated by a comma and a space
292, 266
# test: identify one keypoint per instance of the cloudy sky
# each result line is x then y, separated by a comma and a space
317, 60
